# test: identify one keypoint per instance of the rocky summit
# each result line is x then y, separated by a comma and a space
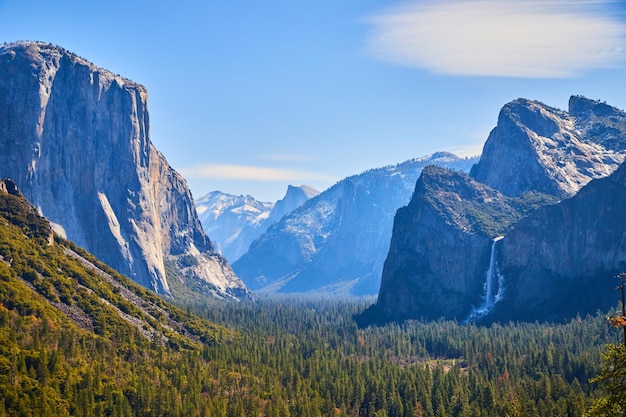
75, 139
233, 222
533, 226
538, 148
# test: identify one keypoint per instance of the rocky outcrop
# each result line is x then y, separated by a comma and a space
75, 138
538, 148
16, 210
336, 243
233, 222
443, 243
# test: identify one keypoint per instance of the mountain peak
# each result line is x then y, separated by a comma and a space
308, 191
294, 198
582, 106
537, 148
234, 222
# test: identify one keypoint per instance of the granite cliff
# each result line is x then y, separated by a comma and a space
538, 148
447, 257
75, 139
562, 259
441, 243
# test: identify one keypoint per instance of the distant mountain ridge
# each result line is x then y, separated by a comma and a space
335, 243
523, 223
234, 222
75, 139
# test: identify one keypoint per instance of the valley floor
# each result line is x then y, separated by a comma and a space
303, 359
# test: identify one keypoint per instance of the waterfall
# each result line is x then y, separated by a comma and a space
492, 275
493, 280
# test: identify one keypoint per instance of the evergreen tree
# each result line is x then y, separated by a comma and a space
612, 377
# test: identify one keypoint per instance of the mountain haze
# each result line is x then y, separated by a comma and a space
336, 243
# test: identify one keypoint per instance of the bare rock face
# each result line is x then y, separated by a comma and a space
441, 246
562, 259
75, 138
504, 226
538, 148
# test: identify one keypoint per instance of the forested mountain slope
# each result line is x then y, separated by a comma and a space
74, 333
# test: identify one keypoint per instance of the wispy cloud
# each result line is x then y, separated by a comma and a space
252, 173
509, 38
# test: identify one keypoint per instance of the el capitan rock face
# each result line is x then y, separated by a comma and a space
75, 139
443, 246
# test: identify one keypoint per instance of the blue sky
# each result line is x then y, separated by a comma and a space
247, 97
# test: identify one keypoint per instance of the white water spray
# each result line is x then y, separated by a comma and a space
492, 278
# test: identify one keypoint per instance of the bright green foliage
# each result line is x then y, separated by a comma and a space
76, 338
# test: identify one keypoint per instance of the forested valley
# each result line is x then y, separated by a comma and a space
303, 359
78, 339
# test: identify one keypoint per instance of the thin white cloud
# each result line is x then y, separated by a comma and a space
508, 38
252, 173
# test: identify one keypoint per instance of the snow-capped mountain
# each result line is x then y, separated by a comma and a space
233, 222
336, 243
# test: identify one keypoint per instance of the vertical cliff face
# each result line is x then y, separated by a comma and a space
535, 157
561, 260
75, 138
441, 246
